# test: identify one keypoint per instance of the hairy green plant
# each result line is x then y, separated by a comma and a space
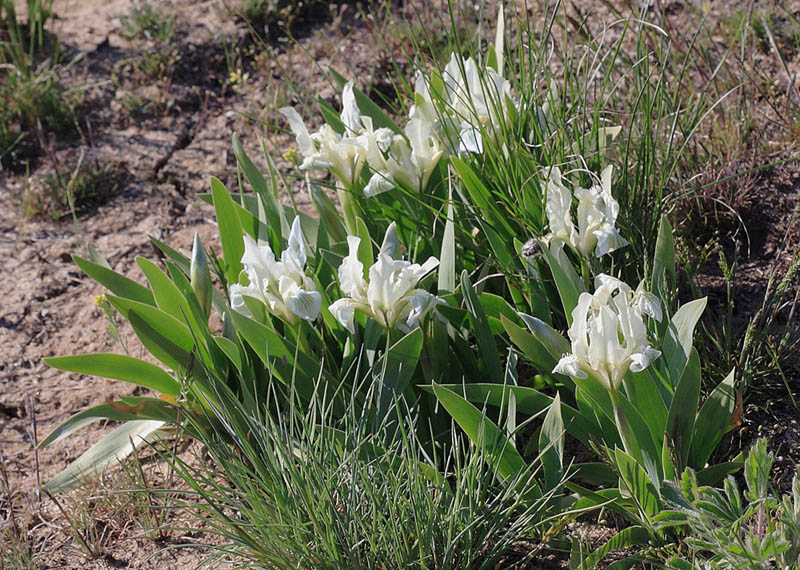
723, 530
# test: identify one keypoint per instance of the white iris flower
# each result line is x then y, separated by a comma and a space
476, 100
405, 160
390, 296
343, 155
282, 286
596, 215
608, 334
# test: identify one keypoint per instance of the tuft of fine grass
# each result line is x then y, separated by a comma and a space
90, 185
148, 22
32, 98
299, 492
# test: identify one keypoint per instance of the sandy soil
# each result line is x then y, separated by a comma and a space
167, 155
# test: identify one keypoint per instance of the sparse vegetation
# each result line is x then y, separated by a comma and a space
146, 21
86, 186
32, 99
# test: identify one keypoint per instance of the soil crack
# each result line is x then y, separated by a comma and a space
186, 137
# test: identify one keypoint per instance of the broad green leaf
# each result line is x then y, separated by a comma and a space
167, 295
670, 519
96, 257
482, 431
114, 282
481, 197
483, 334
230, 230
330, 115
172, 351
118, 367
218, 301
276, 220
528, 401
491, 56
125, 410
631, 536
555, 344
637, 437
676, 563
364, 246
594, 404
164, 336
110, 450
643, 394
176, 257
264, 341
231, 350
677, 343
456, 316
567, 281
715, 473
664, 261
245, 205
500, 246
496, 306
594, 473
683, 410
278, 352
176, 297
529, 345
551, 444
330, 219
712, 422
597, 396
395, 369
638, 484
492, 219
609, 498
402, 359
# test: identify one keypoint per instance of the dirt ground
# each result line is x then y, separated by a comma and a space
164, 157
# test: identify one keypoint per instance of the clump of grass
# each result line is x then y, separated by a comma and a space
28, 104
136, 105
107, 509
148, 22
303, 491
89, 186
762, 346
31, 95
19, 550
